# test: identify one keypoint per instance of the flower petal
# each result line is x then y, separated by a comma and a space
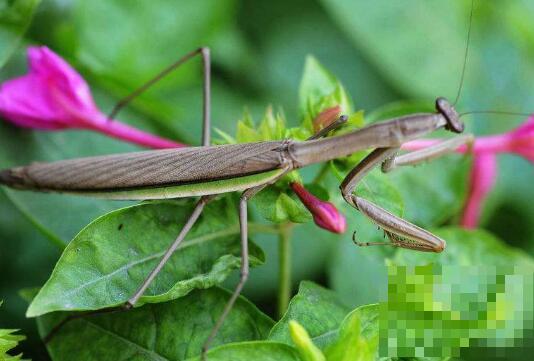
482, 179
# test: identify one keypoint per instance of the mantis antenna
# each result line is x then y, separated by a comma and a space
462, 77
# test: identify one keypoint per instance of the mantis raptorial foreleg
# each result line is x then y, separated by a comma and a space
428, 153
206, 90
400, 232
330, 127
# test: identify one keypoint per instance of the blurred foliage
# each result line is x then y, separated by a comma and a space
383, 51
9, 339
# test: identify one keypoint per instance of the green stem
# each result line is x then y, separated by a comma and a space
284, 275
322, 173
262, 228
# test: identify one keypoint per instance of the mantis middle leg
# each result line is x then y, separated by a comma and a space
243, 221
206, 90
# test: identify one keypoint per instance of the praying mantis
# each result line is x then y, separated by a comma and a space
207, 171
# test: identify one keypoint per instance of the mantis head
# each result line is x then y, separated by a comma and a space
454, 124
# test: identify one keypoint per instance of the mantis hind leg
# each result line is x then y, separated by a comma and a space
243, 221
206, 90
400, 232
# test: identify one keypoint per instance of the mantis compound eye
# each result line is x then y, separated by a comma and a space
454, 124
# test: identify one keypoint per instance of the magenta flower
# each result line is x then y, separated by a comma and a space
481, 181
519, 141
54, 96
325, 214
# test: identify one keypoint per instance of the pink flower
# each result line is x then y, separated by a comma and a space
519, 141
325, 214
481, 181
54, 96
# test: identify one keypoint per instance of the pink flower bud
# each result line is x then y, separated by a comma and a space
54, 96
325, 214
326, 117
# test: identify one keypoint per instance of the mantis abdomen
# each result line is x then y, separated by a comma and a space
149, 169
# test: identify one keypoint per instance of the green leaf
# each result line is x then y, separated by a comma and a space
258, 351
276, 205
271, 127
108, 260
378, 188
58, 216
375, 187
173, 330
307, 350
8, 341
15, 17
317, 309
358, 336
319, 89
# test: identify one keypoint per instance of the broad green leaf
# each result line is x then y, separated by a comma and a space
258, 350
359, 274
108, 260
15, 17
358, 336
317, 309
173, 330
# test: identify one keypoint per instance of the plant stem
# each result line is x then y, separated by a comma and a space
262, 228
284, 272
322, 173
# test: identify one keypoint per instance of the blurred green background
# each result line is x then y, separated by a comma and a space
383, 51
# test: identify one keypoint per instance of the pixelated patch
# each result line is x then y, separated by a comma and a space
441, 310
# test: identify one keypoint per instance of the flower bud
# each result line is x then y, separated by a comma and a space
325, 214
